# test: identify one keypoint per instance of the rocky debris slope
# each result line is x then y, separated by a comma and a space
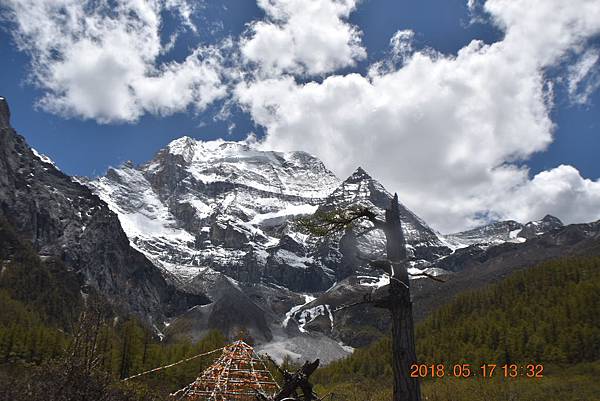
64, 219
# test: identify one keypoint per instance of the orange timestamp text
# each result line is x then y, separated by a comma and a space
466, 370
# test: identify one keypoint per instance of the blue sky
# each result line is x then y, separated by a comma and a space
83, 144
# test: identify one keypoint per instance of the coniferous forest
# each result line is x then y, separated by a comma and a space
548, 315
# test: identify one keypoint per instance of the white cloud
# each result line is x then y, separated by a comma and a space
401, 44
584, 77
560, 192
185, 9
99, 59
303, 37
446, 131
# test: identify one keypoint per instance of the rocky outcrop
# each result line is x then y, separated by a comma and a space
536, 228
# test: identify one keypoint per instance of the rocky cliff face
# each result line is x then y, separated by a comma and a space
64, 219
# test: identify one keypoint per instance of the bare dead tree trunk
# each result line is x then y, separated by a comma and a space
400, 306
398, 300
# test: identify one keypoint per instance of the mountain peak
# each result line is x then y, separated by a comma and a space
128, 164
181, 143
360, 174
184, 146
182, 140
552, 219
361, 185
4, 113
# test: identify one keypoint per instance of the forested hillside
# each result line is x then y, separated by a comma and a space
549, 314
65, 343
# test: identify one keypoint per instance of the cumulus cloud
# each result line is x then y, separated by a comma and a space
448, 132
310, 37
560, 191
99, 59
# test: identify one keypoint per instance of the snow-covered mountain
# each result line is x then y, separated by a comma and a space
218, 205
218, 216
504, 231
228, 206
362, 189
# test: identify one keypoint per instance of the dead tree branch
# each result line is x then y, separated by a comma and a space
429, 276
367, 300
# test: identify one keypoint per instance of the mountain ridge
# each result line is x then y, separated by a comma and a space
498, 232
219, 203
